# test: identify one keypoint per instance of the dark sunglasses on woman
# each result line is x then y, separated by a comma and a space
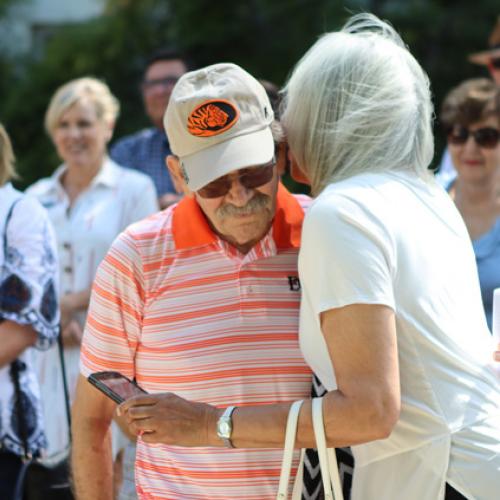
251, 178
486, 137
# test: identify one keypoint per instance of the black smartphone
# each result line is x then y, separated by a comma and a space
115, 385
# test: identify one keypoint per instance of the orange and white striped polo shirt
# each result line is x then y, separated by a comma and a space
183, 311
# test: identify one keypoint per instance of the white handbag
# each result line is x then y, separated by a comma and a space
327, 459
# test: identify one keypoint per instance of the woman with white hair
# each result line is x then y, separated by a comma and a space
90, 200
391, 316
391, 319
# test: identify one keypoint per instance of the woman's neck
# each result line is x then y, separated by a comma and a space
77, 178
478, 203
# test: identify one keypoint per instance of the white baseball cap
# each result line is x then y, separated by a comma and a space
218, 119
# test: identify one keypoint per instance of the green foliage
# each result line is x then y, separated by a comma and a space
267, 37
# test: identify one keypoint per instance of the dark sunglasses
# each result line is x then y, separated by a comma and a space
495, 62
486, 137
250, 178
168, 81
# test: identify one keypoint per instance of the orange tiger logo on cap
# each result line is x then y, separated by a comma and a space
212, 118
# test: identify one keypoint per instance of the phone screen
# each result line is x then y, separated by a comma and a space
123, 387
115, 385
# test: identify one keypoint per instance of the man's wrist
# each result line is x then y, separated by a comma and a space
211, 427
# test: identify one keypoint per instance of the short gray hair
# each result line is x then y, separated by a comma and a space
106, 105
358, 101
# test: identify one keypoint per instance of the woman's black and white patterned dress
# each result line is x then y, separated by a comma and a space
28, 296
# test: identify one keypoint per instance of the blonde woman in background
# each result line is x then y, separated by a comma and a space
90, 200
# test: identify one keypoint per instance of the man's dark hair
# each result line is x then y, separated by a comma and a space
168, 54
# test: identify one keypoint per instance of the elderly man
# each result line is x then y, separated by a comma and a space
146, 150
201, 299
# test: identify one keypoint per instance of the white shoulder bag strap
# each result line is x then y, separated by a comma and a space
286, 464
327, 457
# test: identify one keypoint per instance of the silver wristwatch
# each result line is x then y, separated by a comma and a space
225, 426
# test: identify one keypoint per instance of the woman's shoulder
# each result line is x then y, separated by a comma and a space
31, 210
40, 187
12, 198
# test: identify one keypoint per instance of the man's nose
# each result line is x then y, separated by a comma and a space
238, 194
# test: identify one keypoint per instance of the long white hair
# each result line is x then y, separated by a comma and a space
358, 101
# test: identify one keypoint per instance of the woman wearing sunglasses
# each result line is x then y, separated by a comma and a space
471, 119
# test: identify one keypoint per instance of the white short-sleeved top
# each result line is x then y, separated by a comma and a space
397, 240
116, 198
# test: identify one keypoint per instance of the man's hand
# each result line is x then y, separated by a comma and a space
72, 334
496, 354
72, 303
66, 306
169, 419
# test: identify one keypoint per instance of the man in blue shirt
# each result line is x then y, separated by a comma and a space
147, 149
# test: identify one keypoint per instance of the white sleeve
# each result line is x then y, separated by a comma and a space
29, 277
347, 256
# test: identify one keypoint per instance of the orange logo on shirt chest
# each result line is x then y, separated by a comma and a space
212, 118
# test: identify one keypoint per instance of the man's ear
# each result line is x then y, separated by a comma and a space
174, 167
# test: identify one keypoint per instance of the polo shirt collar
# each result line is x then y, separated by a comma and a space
191, 228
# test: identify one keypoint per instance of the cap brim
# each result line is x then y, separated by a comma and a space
484, 57
238, 152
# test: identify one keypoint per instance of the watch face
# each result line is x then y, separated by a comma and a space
224, 429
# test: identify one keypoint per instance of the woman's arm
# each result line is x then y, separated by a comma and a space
362, 344
361, 340
72, 303
14, 339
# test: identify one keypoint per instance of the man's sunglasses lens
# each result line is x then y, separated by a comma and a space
249, 178
487, 137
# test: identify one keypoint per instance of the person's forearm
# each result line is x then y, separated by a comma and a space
368, 414
91, 462
347, 422
77, 301
14, 339
91, 459
72, 303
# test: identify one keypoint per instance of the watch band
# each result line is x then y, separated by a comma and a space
225, 426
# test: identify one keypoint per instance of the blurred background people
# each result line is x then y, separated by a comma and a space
29, 315
90, 199
491, 59
470, 116
147, 149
